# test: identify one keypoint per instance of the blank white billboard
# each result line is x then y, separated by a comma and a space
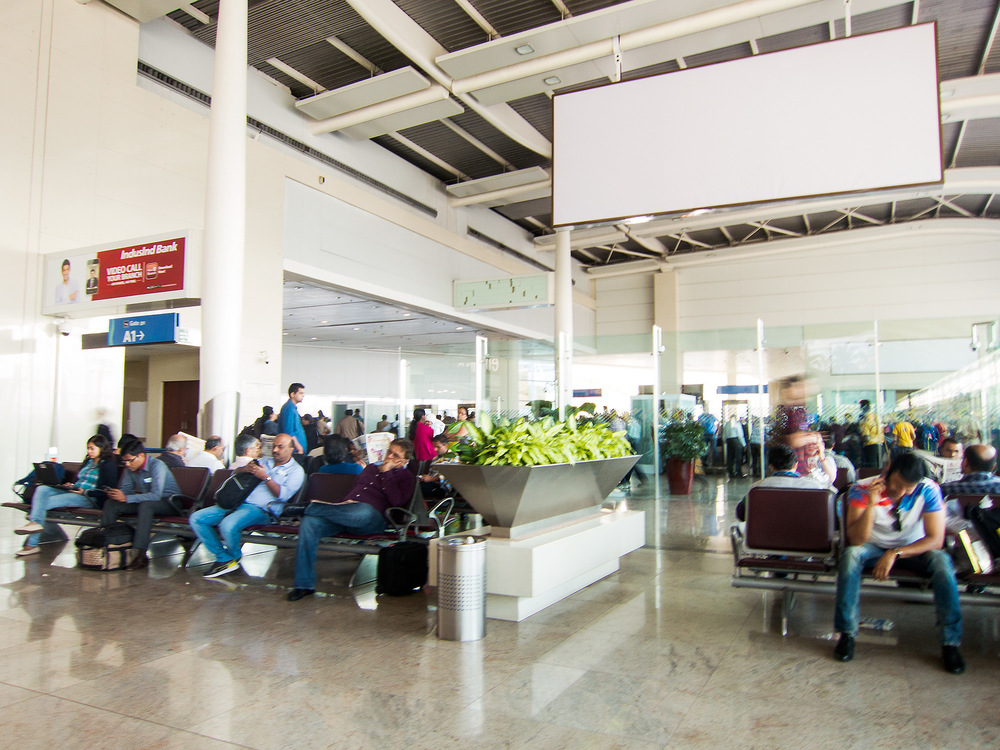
855, 114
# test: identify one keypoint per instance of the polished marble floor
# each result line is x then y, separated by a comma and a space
662, 654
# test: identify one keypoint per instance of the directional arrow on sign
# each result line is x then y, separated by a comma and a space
140, 335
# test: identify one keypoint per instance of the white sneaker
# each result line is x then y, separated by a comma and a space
30, 528
25, 551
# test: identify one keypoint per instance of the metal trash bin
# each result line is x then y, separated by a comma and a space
461, 574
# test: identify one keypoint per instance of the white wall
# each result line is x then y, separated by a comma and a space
624, 317
935, 269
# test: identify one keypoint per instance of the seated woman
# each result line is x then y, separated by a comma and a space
99, 471
338, 456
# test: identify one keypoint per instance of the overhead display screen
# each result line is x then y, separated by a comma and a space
855, 114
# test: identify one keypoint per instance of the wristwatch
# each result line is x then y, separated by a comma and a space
267, 479
898, 552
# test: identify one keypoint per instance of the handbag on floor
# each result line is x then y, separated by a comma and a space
402, 568
105, 547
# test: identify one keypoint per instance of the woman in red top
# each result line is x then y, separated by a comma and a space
420, 433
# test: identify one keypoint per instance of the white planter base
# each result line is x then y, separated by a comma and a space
528, 574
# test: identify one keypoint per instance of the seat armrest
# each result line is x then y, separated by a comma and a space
401, 520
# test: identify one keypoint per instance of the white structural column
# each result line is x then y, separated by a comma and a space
564, 321
225, 226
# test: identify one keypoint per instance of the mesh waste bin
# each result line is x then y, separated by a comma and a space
462, 588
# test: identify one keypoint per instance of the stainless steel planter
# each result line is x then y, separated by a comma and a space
513, 499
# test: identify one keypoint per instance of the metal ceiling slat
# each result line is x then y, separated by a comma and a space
796, 38
514, 152
513, 16
579, 7
667, 66
374, 47
963, 28
723, 54
453, 149
877, 20
981, 144
326, 65
445, 21
414, 158
298, 89
537, 110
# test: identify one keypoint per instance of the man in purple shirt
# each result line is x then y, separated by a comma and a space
362, 511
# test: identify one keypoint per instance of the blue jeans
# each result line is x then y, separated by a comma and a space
219, 529
323, 520
45, 499
936, 564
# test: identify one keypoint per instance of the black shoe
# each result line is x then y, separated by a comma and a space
295, 594
138, 563
845, 648
953, 661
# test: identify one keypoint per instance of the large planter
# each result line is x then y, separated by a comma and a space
680, 476
517, 499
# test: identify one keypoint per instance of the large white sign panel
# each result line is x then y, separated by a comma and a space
850, 115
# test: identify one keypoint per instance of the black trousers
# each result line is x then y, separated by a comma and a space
873, 455
143, 511
734, 456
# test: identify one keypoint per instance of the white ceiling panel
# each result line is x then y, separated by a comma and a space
381, 88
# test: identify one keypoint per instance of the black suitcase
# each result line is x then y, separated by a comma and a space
105, 547
402, 568
987, 522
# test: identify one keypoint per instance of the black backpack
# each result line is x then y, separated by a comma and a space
235, 490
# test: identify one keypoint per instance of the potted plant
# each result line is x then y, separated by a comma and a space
682, 441
519, 472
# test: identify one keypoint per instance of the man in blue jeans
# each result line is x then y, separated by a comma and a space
219, 529
362, 511
898, 521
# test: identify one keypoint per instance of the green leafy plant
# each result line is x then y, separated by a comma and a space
683, 439
502, 442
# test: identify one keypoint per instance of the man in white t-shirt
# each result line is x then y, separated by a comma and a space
898, 521
210, 458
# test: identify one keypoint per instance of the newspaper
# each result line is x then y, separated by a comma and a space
376, 444
945, 469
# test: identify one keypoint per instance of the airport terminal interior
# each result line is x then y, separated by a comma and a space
401, 245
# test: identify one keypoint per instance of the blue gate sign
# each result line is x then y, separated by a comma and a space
143, 329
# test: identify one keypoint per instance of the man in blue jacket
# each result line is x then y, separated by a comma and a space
289, 421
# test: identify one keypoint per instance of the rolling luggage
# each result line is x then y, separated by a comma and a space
402, 568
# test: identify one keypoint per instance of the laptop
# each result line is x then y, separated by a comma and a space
45, 473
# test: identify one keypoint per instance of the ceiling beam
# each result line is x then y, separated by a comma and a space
467, 136
291, 72
989, 42
428, 155
196, 14
352, 53
479, 18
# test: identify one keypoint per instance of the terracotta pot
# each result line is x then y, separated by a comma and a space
680, 476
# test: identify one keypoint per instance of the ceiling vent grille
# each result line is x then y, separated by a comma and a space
476, 234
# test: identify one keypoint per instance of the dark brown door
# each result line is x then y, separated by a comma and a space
180, 408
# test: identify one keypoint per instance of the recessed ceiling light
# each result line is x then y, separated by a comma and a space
298, 289
406, 315
460, 328
324, 322
552, 81
357, 329
524, 49
285, 333
312, 338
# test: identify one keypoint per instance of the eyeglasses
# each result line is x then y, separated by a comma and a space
896, 523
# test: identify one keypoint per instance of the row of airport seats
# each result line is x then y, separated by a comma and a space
791, 543
198, 486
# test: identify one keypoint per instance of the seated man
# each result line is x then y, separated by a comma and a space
362, 511
978, 465
210, 458
899, 521
247, 449
173, 452
781, 461
145, 488
841, 462
220, 529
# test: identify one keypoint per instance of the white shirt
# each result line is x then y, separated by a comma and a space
240, 461
206, 460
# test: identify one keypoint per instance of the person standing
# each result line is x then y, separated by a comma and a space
871, 435
420, 434
347, 426
732, 433
289, 421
